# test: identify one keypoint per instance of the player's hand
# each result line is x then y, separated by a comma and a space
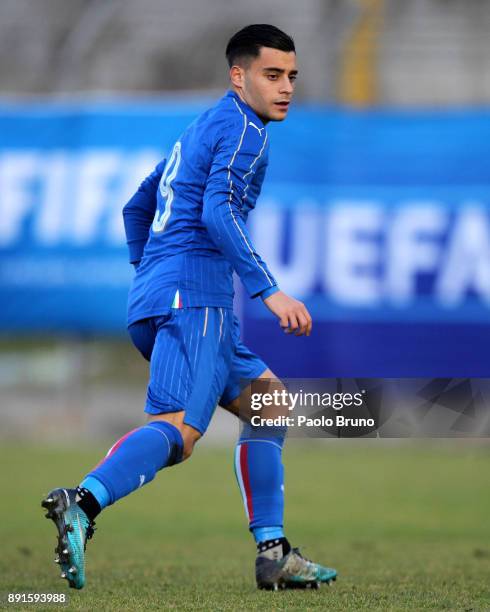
292, 314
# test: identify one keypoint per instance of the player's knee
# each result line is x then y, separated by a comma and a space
187, 450
233, 407
276, 435
189, 437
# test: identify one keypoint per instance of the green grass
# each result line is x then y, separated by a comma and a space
406, 526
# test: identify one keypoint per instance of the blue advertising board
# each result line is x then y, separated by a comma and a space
378, 220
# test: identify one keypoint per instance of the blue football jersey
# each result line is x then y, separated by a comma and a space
208, 185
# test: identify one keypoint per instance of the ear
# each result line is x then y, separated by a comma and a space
236, 76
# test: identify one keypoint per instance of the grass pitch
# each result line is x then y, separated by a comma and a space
407, 527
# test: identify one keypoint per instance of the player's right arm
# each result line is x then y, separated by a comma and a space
237, 156
139, 212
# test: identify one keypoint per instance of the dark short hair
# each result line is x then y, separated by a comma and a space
247, 42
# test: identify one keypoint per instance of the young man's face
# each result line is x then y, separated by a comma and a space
266, 83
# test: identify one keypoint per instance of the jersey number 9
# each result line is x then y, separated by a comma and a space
166, 191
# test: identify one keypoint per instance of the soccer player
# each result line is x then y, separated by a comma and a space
186, 234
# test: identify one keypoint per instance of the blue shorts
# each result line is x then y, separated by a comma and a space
196, 361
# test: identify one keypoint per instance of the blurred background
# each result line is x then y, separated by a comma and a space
375, 210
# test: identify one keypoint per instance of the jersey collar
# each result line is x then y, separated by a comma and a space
245, 107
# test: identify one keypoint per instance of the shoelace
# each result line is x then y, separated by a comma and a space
296, 551
90, 530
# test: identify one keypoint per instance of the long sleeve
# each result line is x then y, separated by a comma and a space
255, 187
238, 155
139, 212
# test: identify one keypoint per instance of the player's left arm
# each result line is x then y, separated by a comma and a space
255, 186
237, 156
139, 212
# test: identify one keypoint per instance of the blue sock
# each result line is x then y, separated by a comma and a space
262, 534
260, 475
134, 460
